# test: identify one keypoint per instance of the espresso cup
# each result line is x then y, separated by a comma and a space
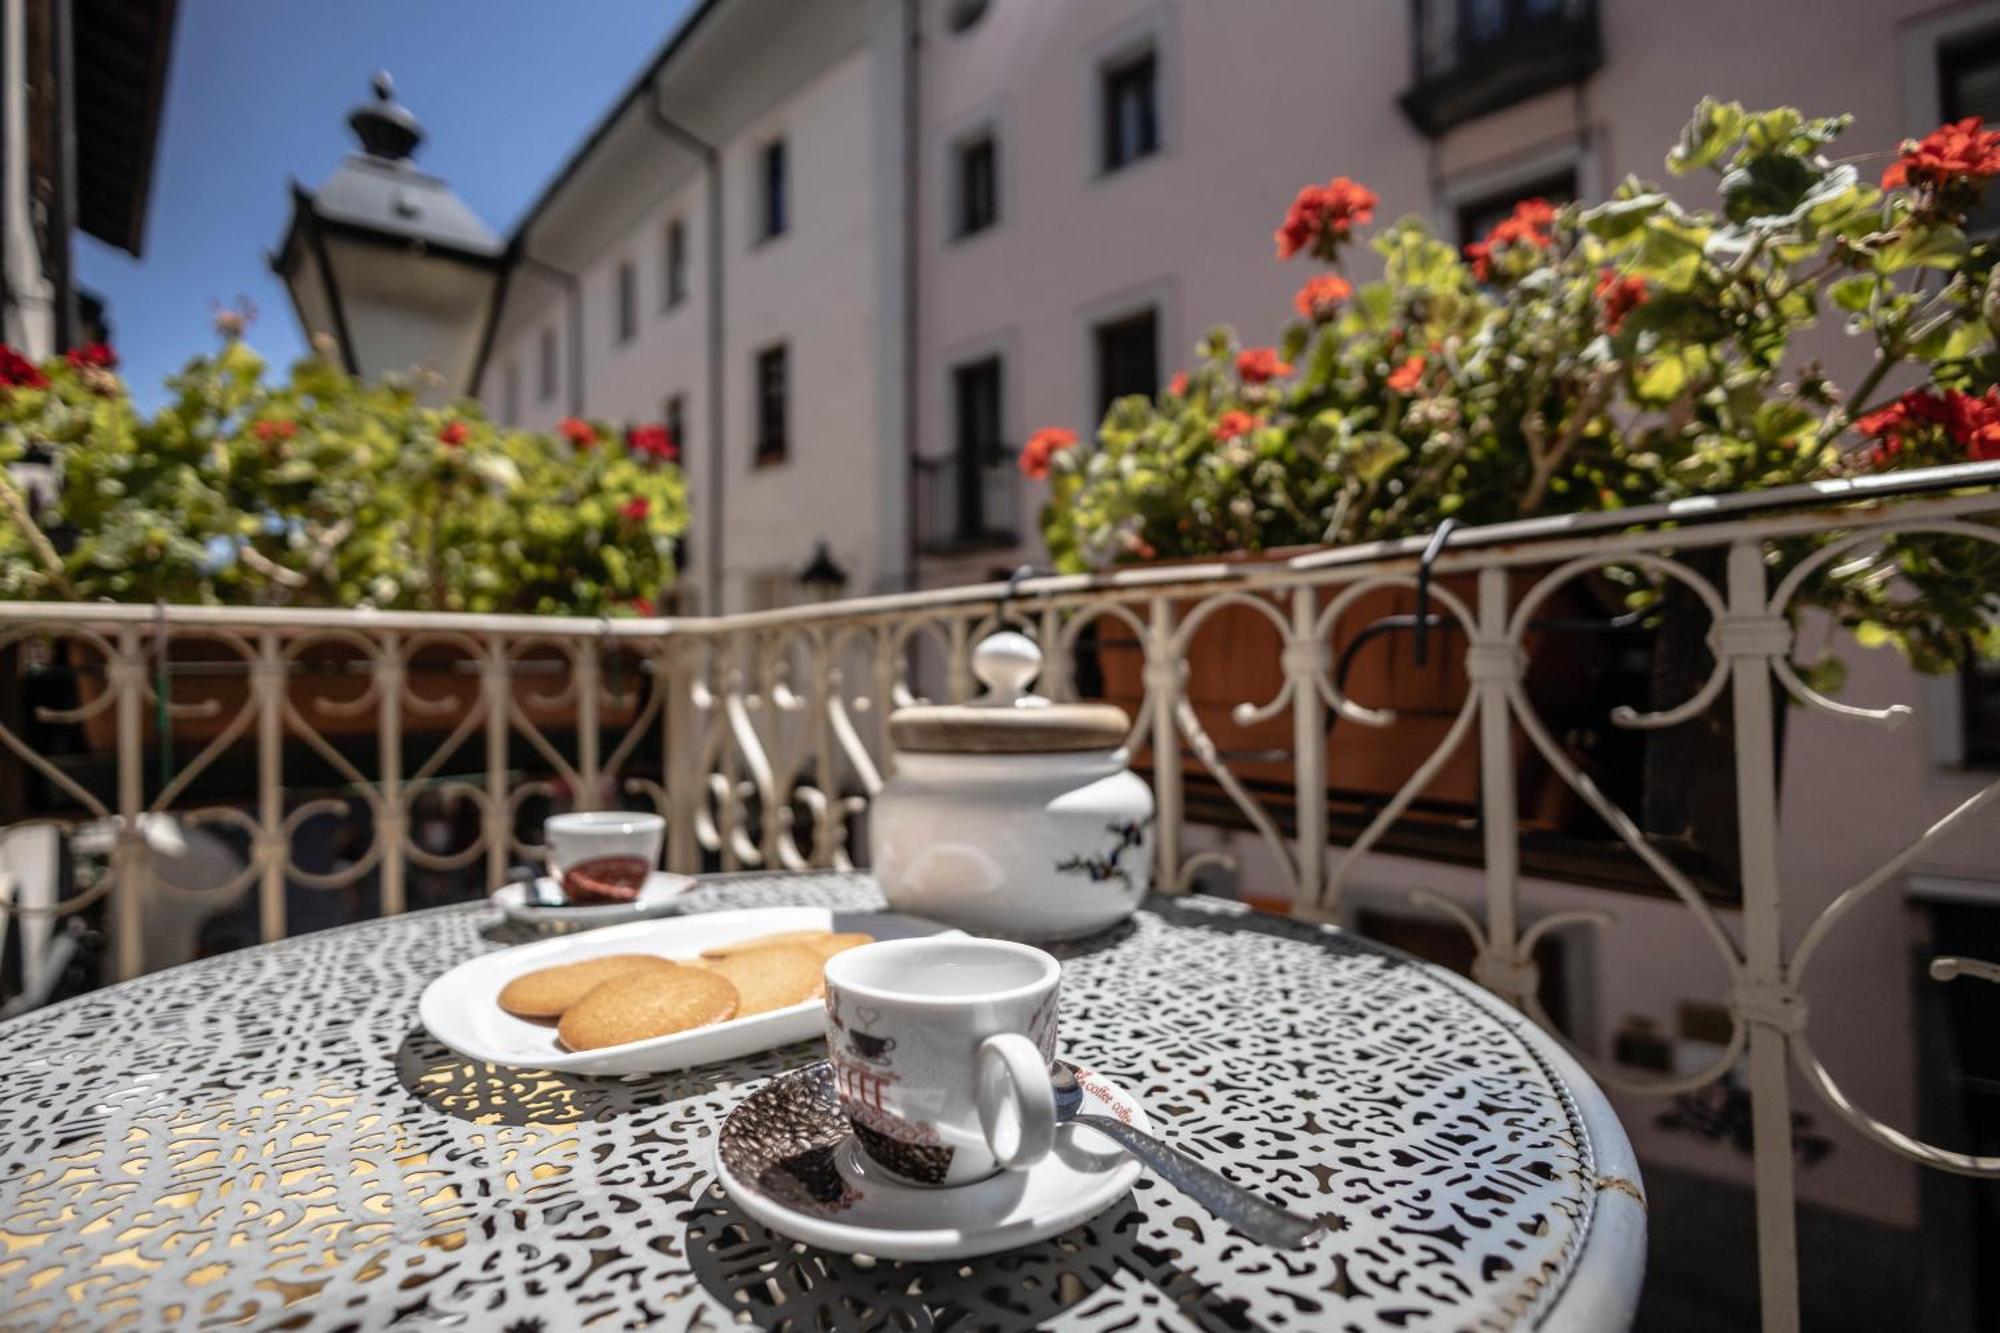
603, 853
940, 1050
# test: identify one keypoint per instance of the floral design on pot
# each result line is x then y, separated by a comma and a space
1109, 866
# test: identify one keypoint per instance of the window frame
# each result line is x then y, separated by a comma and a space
1110, 71
673, 264
1151, 313
624, 303
770, 448
774, 190
548, 377
963, 225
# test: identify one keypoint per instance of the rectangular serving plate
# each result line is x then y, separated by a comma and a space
462, 1010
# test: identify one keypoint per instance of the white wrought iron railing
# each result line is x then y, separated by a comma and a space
762, 738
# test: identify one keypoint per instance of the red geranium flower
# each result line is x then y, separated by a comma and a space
454, 433
1258, 365
1619, 297
1178, 385
642, 606
1322, 216
635, 509
580, 434
1528, 224
275, 429
652, 441
1233, 423
92, 355
1962, 151
17, 372
1321, 296
1970, 421
1041, 449
1407, 376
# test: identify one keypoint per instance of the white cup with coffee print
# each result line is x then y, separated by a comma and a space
603, 855
940, 1050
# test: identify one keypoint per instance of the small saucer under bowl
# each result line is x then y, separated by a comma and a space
656, 897
787, 1157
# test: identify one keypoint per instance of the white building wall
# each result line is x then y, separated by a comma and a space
27, 316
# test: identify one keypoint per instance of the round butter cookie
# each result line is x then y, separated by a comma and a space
547, 991
771, 977
641, 1005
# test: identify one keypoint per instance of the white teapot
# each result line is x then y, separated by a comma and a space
1012, 815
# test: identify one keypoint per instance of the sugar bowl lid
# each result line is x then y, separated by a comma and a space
1007, 719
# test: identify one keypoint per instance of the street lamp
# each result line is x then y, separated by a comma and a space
388, 262
822, 580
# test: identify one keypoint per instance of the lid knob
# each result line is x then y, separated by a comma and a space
1006, 662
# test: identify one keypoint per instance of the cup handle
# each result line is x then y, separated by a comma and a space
1017, 1102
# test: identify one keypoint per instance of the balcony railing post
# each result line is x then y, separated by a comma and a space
496, 686
590, 793
681, 751
1306, 661
1163, 686
392, 821
1762, 998
129, 868
267, 682
1493, 665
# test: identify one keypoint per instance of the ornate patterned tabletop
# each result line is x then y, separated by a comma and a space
269, 1139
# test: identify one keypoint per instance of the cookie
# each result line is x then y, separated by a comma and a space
804, 937
828, 945
771, 977
548, 991
639, 1005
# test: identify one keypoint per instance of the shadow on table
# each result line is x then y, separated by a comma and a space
1191, 916
487, 1094
777, 1284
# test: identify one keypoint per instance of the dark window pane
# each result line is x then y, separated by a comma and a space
675, 420
548, 368
676, 263
978, 186
628, 302
976, 394
1969, 85
772, 442
1477, 216
1980, 705
1131, 111
1128, 358
775, 217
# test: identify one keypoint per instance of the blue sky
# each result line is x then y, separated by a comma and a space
259, 93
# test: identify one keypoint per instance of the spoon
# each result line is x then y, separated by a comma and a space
1246, 1212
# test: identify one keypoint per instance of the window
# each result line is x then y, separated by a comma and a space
773, 206
1979, 704
675, 420
510, 394
978, 185
772, 391
1969, 85
1131, 110
674, 283
976, 404
1474, 57
1477, 216
547, 385
1128, 357
628, 302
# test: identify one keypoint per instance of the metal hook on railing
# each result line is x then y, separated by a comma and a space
1432, 549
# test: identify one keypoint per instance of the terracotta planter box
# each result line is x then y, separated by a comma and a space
211, 674
1235, 657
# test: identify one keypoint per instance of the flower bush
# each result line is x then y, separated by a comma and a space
321, 490
1591, 358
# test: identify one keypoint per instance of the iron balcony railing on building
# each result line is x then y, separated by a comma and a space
968, 503
1473, 57
763, 737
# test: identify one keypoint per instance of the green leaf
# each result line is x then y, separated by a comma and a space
1713, 131
1923, 247
1619, 218
1855, 293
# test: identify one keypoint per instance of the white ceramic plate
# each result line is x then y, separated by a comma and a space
785, 1156
656, 898
462, 1010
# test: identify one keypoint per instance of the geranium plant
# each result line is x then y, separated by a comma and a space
1591, 357
322, 490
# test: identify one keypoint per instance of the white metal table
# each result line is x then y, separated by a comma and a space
269, 1138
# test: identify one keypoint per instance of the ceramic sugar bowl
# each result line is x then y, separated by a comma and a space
1012, 815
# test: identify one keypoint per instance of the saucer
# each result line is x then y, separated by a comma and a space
656, 898
786, 1156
